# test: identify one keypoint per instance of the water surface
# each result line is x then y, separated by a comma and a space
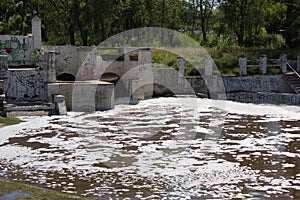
166, 148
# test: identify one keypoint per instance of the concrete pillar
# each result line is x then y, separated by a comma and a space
283, 60
243, 65
36, 33
208, 66
51, 63
180, 64
60, 104
263, 64
298, 63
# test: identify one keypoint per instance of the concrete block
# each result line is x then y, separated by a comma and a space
60, 104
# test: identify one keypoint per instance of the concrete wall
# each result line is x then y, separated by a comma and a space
26, 86
84, 95
19, 49
262, 97
169, 81
68, 58
198, 84
257, 83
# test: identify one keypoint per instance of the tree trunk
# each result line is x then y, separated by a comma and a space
84, 37
204, 33
72, 37
163, 14
288, 33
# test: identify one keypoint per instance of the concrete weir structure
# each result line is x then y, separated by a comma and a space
78, 74
84, 95
97, 78
31, 75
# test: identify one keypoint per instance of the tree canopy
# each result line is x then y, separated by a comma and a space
88, 22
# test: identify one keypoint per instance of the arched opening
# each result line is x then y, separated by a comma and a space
162, 91
110, 77
65, 77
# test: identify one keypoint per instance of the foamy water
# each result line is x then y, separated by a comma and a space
166, 148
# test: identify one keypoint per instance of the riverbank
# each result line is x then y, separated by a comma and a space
17, 190
10, 120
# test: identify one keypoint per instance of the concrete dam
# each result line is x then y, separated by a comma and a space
97, 78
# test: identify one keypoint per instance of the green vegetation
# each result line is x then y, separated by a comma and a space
7, 121
226, 60
227, 28
33, 193
214, 23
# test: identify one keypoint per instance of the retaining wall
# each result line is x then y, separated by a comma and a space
263, 97
257, 83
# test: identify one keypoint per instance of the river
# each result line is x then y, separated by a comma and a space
164, 148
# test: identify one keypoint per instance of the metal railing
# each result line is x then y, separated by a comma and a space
293, 69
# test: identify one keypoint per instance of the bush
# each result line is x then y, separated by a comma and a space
265, 40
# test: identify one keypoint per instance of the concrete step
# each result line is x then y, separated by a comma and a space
14, 108
294, 81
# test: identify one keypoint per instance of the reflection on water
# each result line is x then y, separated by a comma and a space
167, 147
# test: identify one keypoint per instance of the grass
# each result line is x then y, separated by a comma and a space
34, 193
164, 58
9, 120
227, 60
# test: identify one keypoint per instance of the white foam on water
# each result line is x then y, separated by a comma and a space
156, 138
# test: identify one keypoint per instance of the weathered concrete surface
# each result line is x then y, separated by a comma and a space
257, 83
26, 86
19, 49
36, 33
168, 81
256, 89
68, 58
60, 104
198, 84
263, 97
84, 95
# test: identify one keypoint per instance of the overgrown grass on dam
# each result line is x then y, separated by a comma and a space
20, 191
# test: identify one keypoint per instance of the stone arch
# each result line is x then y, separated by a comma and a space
65, 77
110, 77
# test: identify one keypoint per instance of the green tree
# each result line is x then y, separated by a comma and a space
203, 10
244, 17
292, 23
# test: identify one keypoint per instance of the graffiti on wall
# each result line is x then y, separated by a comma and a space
280, 98
252, 84
13, 47
26, 86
